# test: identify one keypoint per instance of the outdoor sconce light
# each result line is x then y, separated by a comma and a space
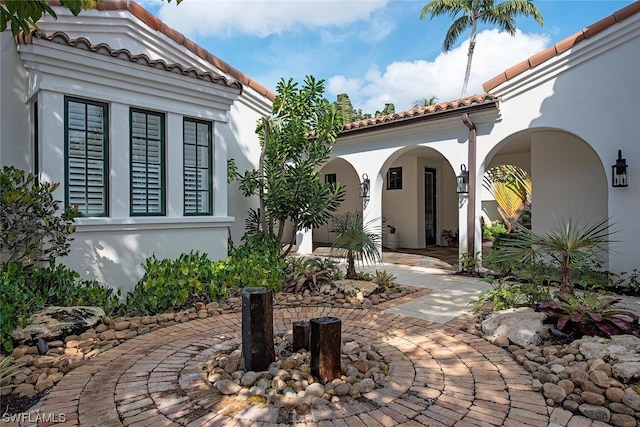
619, 172
463, 181
364, 187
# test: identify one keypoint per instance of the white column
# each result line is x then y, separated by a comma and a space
119, 161
173, 165
304, 241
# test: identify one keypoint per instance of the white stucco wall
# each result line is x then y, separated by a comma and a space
588, 95
112, 249
15, 149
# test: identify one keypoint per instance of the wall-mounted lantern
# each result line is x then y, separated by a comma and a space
463, 181
364, 187
619, 172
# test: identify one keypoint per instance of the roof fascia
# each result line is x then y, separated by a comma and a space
90, 73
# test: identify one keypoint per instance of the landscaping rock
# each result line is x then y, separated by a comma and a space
58, 322
597, 413
523, 326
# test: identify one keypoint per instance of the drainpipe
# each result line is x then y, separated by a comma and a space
471, 210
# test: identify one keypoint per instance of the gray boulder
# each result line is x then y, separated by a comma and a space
54, 323
523, 326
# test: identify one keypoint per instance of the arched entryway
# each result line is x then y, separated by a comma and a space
339, 170
568, 177
419, 198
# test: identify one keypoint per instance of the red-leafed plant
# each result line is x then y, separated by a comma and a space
588, 314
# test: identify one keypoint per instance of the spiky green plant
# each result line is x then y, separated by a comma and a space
357, 239
569, 245
8, 370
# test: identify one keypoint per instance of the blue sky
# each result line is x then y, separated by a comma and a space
377, 51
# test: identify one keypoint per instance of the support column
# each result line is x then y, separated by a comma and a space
326, 346
258, 351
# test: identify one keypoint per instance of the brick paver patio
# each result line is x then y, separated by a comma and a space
439, 376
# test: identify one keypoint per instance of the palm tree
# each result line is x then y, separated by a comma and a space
470, 13
568, 245
425, 102
357, 239
511, 187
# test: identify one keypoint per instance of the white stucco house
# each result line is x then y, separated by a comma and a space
137, 122
561, 115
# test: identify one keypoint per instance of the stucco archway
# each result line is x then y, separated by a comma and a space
344, 173
568, 177
418, 196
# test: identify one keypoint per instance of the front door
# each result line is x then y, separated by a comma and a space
430, 206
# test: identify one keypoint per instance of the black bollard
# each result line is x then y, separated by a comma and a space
301, 335
257, 329
326, 346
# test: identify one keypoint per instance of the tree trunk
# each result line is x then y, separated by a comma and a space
263, 213
351, 267
472, 45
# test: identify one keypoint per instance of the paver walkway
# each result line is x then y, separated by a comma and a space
439, 376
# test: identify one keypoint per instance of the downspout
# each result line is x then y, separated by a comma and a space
471, 209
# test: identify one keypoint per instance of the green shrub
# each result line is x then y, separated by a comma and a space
169, 285
468, 264
27, 289
506, 293
173, 284
367, 277
491, 232
257, 262
32, 229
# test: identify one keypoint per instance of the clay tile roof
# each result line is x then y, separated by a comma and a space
562, 46
157, 25
424, 113
124, 55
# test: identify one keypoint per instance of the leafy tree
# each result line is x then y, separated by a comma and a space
32, 229
296, 140
511, 187
357, 239
425, 102
469, 13
389, 108
24, 14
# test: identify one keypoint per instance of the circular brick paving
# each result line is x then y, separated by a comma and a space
438, 376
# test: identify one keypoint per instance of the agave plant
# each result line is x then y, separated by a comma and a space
357, 239
569, 246
303, 274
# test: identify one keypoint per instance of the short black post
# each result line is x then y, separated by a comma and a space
301, 335
257, 329
326, 346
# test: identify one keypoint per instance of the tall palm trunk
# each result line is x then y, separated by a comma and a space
472, 45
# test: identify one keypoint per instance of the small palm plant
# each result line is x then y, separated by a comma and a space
357, 239
570, 246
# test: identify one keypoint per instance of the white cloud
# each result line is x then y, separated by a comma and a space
263, 17
404, 82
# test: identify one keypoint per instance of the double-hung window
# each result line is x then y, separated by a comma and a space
197, 167
147, 163
86, 156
